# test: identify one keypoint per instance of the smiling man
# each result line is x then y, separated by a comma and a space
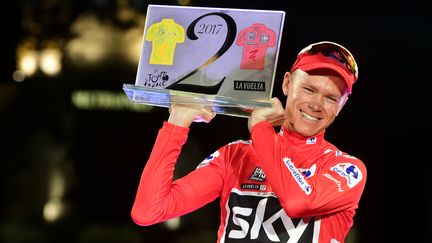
290, 186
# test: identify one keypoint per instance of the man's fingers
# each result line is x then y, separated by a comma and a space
275, 115
185, 114
206, 115
277, 105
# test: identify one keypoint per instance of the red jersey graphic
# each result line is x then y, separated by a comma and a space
276, 187
255, 41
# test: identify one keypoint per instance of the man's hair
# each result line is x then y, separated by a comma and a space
298, 74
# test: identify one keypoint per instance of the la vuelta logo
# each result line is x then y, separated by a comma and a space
156, 79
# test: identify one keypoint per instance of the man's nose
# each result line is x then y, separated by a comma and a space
316, 103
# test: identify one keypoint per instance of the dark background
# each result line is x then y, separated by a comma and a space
100, 153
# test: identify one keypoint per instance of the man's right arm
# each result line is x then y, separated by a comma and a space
158, 197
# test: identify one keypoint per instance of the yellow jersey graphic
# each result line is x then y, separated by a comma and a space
164, 36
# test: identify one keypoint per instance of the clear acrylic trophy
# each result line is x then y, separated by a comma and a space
223, 58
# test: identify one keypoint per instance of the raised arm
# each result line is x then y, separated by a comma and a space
158, 197
337, 185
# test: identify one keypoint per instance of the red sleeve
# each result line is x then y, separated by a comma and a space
272, 35
158, 197
337, 186
241, 38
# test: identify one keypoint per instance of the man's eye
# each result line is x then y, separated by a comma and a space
307, 90
332, 100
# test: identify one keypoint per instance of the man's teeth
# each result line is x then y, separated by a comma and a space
309, 117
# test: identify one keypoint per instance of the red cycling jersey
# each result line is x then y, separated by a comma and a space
276, 187
255, 40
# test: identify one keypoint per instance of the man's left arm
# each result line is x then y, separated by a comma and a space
335, 187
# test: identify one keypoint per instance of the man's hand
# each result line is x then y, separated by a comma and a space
184, 114
274, 115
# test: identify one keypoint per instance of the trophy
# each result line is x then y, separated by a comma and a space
219, 57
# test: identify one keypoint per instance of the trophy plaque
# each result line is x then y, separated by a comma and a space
221, 57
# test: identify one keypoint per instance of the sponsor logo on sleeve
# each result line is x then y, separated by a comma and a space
350, 172
298, 176
207, 160
338, 183
308, 172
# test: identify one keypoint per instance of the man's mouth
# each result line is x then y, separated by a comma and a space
308, 117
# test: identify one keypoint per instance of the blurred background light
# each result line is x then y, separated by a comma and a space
131, 43
53, 210
18, 76
184, 2
105, 100
173, 224
93, 40
50, 61
28, 62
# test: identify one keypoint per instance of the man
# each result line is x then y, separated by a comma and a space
290, 186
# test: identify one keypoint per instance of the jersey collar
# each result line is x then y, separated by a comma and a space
295, 139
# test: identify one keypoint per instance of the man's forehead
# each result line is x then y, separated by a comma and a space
311, 77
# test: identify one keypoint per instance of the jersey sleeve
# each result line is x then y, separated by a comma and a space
337, 186
179, 33
158, 197
272, 41
241, 38
150, 35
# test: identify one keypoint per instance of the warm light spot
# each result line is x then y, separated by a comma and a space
50, 61
94, 42
53, 210
27, 62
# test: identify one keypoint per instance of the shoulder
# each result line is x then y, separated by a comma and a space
238, 146
228, 153
345, 165
335, 155
235, 147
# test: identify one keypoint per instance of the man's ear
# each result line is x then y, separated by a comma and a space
286, 83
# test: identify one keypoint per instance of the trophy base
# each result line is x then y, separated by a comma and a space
164, 97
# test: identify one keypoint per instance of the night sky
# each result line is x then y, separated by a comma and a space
102, 152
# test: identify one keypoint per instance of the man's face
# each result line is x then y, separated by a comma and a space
313, 101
